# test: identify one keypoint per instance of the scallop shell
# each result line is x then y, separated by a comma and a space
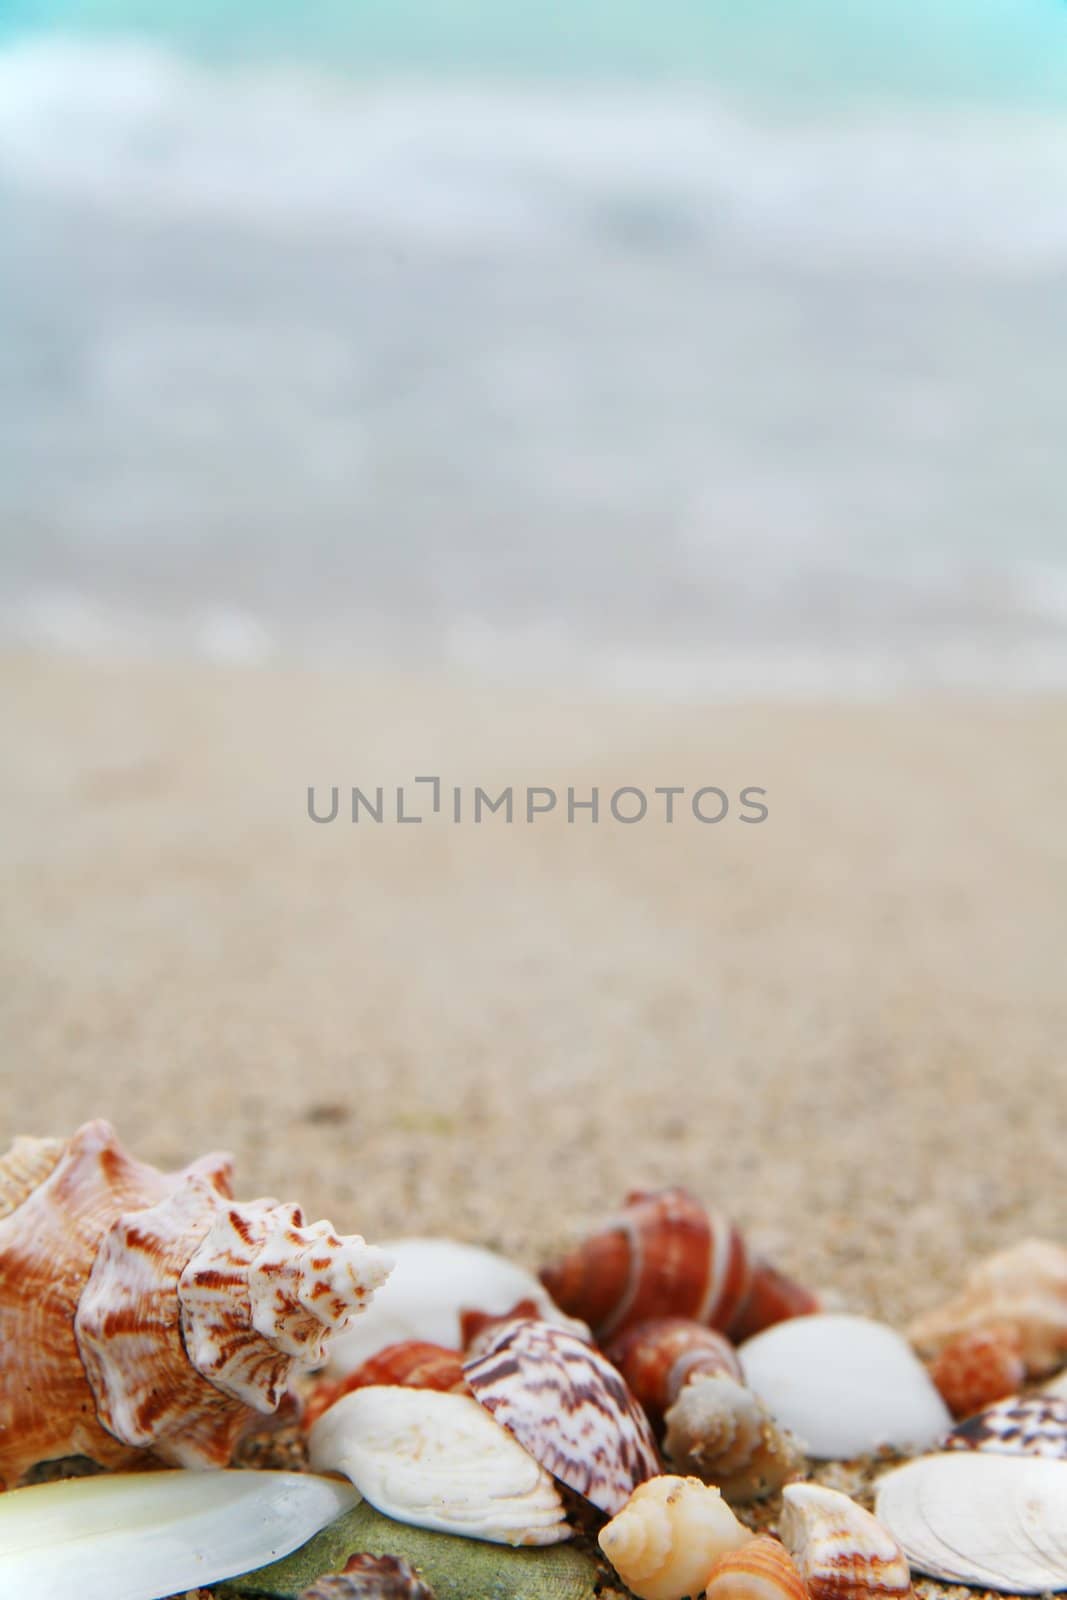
977, 1367
1025, 1288
658, 1357
666, 1540
439, 1461
1036, 1426
410, 1365
763, 1569
991, 1521
367, 1577
843, 1553
721, 1432
665, 1255
845, 1386
569, 1408
433, 1283
142, 1309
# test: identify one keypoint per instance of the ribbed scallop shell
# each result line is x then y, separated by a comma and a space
439, 1461
658, 1357
1024, 1288
1036, 1426
763, 1569
568, 1407
665, 1541
412, 1364
843, 1553
367, 1577
665, 1255
978, 1367
722, 1433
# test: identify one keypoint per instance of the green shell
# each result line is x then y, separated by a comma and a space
456, 1569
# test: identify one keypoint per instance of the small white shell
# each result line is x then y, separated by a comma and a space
136, 1536
992, 1521
843, 1553
439, 1461
669, 1535
845, 1386
432, 1281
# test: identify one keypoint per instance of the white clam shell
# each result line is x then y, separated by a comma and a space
439, 1461
845, 1386
432, 1281
137, 1536
991, 1521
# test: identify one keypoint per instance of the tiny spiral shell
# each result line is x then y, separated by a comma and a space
665, 1255
842, 1551
760, 1570
978, 1367
367, 1577
658, 1357
411, 1364
668, 1537
721, 1432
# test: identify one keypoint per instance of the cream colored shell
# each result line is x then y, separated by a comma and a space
669, 1535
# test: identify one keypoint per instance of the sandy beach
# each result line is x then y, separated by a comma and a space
845, 1024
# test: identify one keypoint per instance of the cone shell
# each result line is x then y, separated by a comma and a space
367, 1577
569, 1408
665, 1541
763, 1569
722, 1433
1036, 1426
412, 1364
978, 1367
843, 1553
1023, 1288
101, 1355
665, 1255
658, 1357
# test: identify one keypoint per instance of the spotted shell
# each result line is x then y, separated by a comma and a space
667, 1538
665, 1255
1023, 1288
658, 1357
367, 1577
1035, 1426
763, 1569
568, 1407
843, 1553
977, 1367
148, 1310
411, 1364
721, 1432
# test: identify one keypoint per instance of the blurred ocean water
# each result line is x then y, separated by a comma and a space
665, 347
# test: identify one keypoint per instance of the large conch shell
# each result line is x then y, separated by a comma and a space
1024, 1288
665, 1255
843, 1553
668, 1536
147, 1310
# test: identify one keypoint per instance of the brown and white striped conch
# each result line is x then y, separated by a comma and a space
146, 1310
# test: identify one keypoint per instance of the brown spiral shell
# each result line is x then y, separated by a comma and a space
665, 1255
411, 1364
979, 1366
658, 1357
763, 1569
367, 1577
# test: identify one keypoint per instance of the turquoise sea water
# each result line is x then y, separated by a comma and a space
678, 345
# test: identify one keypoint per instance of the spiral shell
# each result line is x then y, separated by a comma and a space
665, 1255
142, 1309
367, 1577
763, 1569
667, 1538
658, 1357
412, 1364
843, 1553
979, 1366
721, 1432
1024, 1289
568, 1407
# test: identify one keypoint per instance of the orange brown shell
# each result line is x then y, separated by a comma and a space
658, 1357
979, 1366
763, 1569
411, 1364
665, 1255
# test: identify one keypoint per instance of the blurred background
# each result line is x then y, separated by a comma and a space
585, 394
691, 346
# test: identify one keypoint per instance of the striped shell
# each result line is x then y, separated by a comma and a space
658, 1357
367, 1577
665, 1255
1036, 1426
843, 1553
1024, 1288
722, 1433
413, 1364
568, 1407
763, 1569
665, 1541
978, 1367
